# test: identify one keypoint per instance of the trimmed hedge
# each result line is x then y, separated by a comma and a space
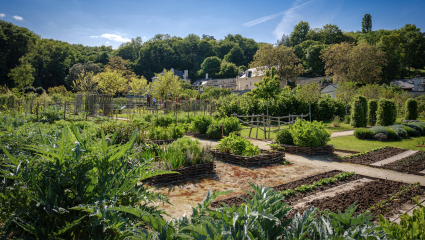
363, 133
411, 109
386, 113
284, 137
359, 112
372, 107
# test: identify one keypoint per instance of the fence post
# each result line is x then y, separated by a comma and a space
250, 130
222, 132
64, 112
269, 122
264, 125
256, 135
175, 111
278, 123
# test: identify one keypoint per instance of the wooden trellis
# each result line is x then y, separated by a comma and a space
263, 122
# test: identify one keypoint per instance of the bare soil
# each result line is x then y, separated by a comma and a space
375, 156
412, 164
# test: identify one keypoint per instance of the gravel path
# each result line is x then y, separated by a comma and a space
342, 133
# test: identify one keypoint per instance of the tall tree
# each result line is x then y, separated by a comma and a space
111, 82
84, 83
165, 84
288, 66
235, 56
284, 40
22, 75
211, 65
268, 87
138, 85
299, 33
120, 65
78, 68
346, 91
309, 93
367, 23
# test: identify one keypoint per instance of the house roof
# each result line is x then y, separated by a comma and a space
404, 83
201, 81
253, 72
178, 73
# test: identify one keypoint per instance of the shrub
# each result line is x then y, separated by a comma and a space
177, 131
417, 127
380, 136
386, 113
230, 124
363, 133
162, 120
201, 123
372, 107
400, 132
379, 129
238, 146
284, 137
411, 132
123, 131
359, 112
309, 134
411, 109
347, 119
336, 122
392, 134
51, 114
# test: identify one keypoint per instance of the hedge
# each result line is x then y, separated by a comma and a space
372, 107
359, 111
363, 133
411, 109
386, 113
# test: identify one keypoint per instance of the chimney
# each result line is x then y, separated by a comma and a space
186, 74
206, 76
172, 70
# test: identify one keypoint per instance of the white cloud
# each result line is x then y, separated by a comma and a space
115, 37
94, 36
144, 39
19, 18
2, 15
107, 42
266, 18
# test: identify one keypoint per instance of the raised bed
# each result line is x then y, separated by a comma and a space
264, 158
328, 149
161, 142
367, 195
374, 156
413, 164
185, 173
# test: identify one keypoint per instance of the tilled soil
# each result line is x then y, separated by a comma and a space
412, 164
367, 195
375, 156
292, 185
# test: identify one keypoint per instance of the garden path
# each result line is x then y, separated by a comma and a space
342, 133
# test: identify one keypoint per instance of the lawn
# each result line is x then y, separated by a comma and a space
342, 127
354, 144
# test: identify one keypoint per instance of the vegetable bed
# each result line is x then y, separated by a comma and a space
328, 149
373, 156
265, 157
184, 173
413, 164
375, 195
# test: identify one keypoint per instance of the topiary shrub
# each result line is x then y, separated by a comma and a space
386, 113
284, 137
417, 127
309, 134
392, 134
379, 129
401, 133
359, 112
363, 133
372, 107
411, 109
411, 132
201, 123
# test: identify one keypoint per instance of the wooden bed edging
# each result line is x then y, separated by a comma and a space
328, 149
186, 172
264, 158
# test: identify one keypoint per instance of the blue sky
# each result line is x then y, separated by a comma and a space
96, 23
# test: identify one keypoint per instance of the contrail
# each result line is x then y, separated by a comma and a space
266, 18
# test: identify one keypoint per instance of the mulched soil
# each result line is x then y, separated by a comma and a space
292, 185
375, 156
367, 195
411, 164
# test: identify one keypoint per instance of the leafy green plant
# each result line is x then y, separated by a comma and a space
223, 126
51, 114
336, 121
123, 131
288, 192
309, 134
238, 146
363, 133
284, 137
305, 188
362, 153
202, 122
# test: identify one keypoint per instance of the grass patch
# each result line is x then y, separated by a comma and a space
354, 144
342, 127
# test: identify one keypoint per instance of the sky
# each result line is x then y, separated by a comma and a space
110, 23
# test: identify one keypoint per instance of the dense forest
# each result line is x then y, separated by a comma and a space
49, 61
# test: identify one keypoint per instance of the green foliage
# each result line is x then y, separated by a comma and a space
201, 123
309, 134
362, 153
411, 109
359, 112
372, 107
51, 114
410, 227
284, 137
122, 131
162, 120
238, 146
228, 124
392, 134
363, 133
386, 113
347, 119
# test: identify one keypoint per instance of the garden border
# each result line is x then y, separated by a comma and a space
265, 158
184, 173
323, 150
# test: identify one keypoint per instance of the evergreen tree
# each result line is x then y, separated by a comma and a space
367, 23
